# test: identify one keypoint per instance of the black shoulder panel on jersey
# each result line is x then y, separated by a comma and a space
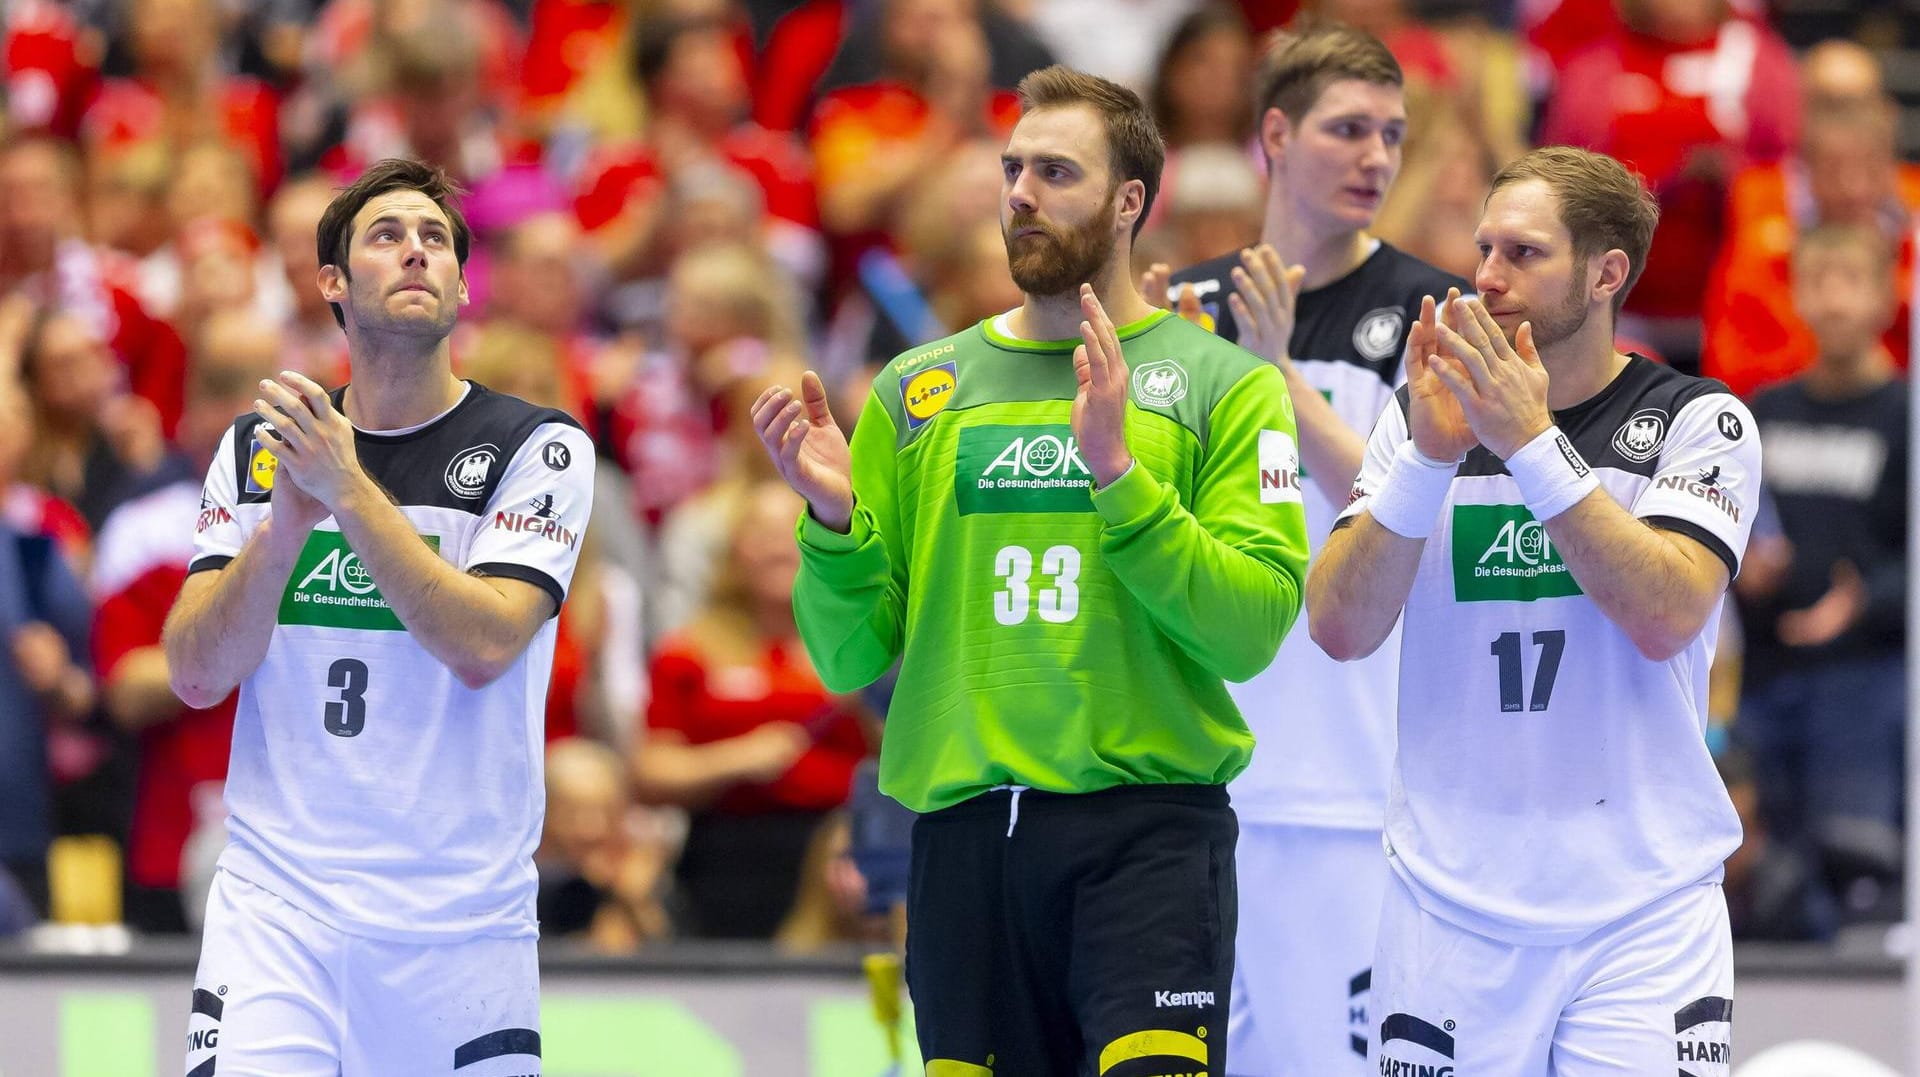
1626, 425
457, 462
452, 463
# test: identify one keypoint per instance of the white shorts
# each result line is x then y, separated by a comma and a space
1623, 1002
1309, 908
279, 994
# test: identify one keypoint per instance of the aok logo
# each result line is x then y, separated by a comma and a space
1502, 554
331, 588
1038, 457
1020, 469
340, 570
1519, 541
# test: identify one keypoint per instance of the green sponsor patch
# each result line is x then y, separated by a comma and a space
1502, 554
1020, 469
330, 588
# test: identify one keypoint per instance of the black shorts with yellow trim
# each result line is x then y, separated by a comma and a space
1082, 935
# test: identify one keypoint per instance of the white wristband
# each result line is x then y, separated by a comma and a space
1411, 496
1551, 474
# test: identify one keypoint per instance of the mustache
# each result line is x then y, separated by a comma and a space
1027, 220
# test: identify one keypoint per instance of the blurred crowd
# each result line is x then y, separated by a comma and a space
678, 202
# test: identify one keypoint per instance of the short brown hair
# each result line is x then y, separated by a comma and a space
1838, 235
1298, 68
383, 177
1134, 147
1602, 205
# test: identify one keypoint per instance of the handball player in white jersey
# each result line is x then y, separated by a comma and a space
1311, 803
378, 570
1558, 522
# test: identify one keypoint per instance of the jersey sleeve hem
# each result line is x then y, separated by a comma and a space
525, 574
208, 563
1699, 534
1128, 498
819, 536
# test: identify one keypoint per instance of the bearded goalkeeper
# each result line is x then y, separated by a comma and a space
1071, 532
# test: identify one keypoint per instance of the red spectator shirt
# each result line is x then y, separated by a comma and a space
1655, 105
706, 703
138, 570
618, 176
49, 82
128, 113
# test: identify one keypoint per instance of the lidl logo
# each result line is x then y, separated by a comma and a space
928, 392
261, 467
1020, 469
1502, 554
331, 588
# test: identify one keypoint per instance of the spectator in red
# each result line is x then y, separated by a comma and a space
43, 255
824, 45
1687, 93
698, 98
141, 562
742, 733
350, 34
1847, 173
178, 93
51, 66
577, 82
933, 89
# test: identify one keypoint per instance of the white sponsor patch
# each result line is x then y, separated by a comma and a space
1279, 468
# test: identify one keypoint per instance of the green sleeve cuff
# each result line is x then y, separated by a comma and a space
811, 532
1129, 498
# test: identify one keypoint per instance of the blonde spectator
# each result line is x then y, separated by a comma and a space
601, 862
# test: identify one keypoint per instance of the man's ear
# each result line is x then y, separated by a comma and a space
1614, 267
1133, 202
333, 284
1274, 132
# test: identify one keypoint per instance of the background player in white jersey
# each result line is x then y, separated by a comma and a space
1558, 522
378, 570
1312, 800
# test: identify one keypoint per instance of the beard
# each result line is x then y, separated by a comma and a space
1055, 262
1563, 319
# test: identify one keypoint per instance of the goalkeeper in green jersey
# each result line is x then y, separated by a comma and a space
1070, 534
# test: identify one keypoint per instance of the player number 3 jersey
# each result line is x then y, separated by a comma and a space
368, 786
1550, 778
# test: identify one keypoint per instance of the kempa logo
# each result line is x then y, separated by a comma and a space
1164, 999
1502, 554
1640, 437
1159, 384
1020, 469
331, 588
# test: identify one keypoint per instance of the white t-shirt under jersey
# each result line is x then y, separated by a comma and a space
1551, 779
369, 787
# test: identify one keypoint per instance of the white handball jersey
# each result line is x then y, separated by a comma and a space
1551, 779
1325, 729
368, 786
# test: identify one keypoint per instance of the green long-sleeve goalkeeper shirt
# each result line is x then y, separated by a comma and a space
1052, 636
